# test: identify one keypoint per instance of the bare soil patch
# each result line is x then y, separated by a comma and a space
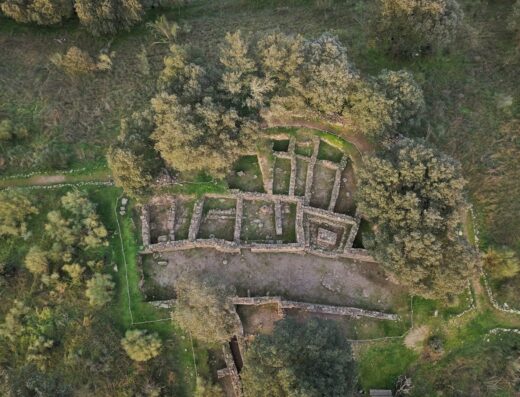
346, 203
305, 278
322, 186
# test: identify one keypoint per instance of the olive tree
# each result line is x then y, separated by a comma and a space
407, 27
15, 209
312, 359
42, 12
413, 196
141, 345
204, 309
206, 136
102, 17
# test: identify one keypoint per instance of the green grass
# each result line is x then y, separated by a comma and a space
381, 363
282, 176
329, 152
251, 180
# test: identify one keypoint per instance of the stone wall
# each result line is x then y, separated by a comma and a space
195, 220
314, 308
145, 225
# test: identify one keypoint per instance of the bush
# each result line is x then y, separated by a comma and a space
36, 261
501, 264
75, 62
42, 12
100, 289
205, 310
15, 209
300, 359
141, 345
108, 16
408, 27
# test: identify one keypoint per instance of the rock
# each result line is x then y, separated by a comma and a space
122, 212
240, 173
255, 176
162, 263
162, 239
124, 201
225, 262
122, 208
344, 180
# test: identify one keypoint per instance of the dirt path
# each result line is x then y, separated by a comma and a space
100, 175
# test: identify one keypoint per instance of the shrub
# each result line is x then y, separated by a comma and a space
501, 264
407, 27
36, 261
204, 309
100, 289
75, 62
102, 17
15, 209
42, 12
141, 345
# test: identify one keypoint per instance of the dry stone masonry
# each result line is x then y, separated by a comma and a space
318, 231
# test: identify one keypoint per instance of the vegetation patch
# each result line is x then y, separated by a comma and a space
246, 175
281, 176
322, 185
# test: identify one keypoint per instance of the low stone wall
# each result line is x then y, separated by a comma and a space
331, 216
171, 221
239, 210
278, 217
231, 371
335, 190
145, 225
314, 308
195, 220
310, 171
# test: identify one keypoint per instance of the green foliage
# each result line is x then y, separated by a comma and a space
413, 195
205, 310
141, 345
207, 389
36, 261
132, 160
406, 96
27, 333
15, 209
202, 137
408, 27
310, 359
100, 289
75, 62
42, 12
514, 18
501, 264
102, 17
326, 75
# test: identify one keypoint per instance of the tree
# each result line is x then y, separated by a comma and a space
42, 12
100, 289
406, 96
311, 359
102, 17
407, 27
204, 309
326, 75
36, 261
131, 159
201, 137
15, 208
413, 196
141, 345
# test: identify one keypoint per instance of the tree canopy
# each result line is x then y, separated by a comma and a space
407, 27
204, 309
413, 196
15, 209
311, 359
140, 345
